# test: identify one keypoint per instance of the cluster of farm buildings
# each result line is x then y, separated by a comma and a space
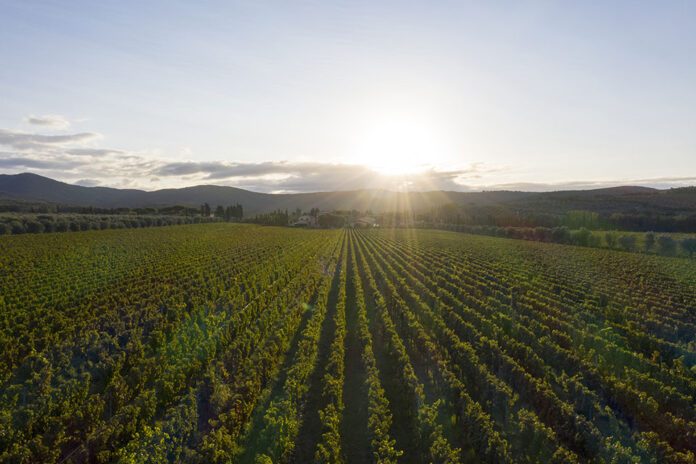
313, 221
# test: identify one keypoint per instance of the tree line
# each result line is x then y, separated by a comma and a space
228, 213
11, 206
649, 242
47, 223
506, 216
114, 218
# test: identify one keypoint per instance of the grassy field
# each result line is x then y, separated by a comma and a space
237, 343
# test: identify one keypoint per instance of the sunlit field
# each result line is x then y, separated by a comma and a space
236, 343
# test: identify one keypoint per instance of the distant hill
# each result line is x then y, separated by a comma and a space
606, 201
32, 187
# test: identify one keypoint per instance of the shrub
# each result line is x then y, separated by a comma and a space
627, 242
34, 227
689, 246
17, 227
581, 237
610, 239
666, 245
649, 242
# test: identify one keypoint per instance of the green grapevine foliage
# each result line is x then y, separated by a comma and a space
218, 343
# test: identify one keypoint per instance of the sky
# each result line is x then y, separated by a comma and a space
319, 95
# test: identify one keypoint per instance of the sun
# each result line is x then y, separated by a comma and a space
398, 145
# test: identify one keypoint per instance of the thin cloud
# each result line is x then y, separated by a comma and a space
26, 141
307, 176
96, 152
75, 158
88, 182
53, 121
14, 162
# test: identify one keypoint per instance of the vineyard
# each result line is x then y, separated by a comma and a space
218, 343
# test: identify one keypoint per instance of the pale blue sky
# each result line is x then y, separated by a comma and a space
270, 95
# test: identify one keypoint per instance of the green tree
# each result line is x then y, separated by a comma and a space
649, 242
205, 210
666, 245
331, 220
17, 227
689, 246
627, 242
560, 234
610, 239
581, 237
34, 227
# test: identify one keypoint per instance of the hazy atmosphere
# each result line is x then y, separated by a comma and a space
314, 96
327, 232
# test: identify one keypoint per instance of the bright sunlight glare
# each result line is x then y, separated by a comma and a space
398, 145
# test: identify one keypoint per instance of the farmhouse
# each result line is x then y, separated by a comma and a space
365, 221
304, 221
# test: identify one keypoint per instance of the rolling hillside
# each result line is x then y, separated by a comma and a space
31, 187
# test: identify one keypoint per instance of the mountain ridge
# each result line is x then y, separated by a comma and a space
33, 187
